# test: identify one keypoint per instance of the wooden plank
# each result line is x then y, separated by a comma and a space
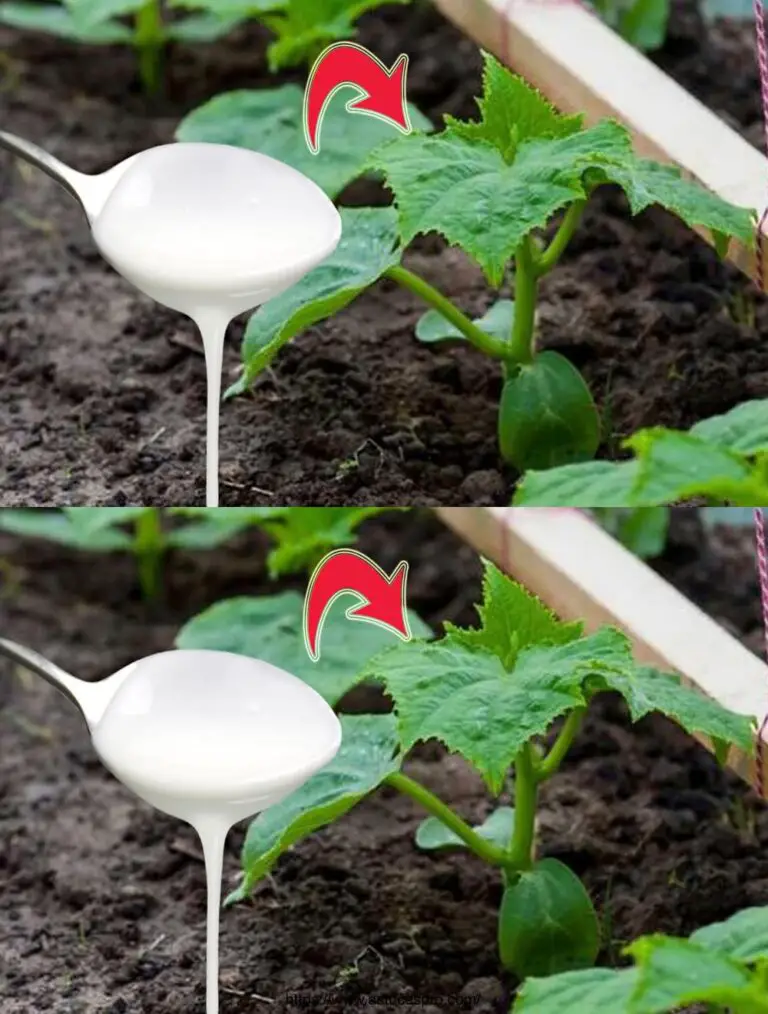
581, 572
582, 66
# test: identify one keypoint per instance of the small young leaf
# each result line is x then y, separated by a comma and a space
735, 10
511, 618
368, 753
646, 690
547, 416
87, 14
368, 247
272, 628
89, 520
465, 697
592, 991
202, 27
55, 20
497, 322
271, 121
511, 111
547, 923
497, 828
673, 973
743, 937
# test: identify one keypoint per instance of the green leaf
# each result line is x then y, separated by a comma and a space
743, 937
592, 484
272, 628
58, 21
496, 321
465, 698
202, 27
644, 23
735, 10
646, 183
271, 121
496, 828
305, 27
646, 690
88, 520
368, 753
643, 530
592, 991
511, 618
675, 466
743, 430
547, 923
547, 416
511, 111
466, 191
368, 247
58, 527
88, 14
216, 525
673, 973
304, 535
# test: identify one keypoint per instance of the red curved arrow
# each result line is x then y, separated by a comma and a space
381, 90
381, 597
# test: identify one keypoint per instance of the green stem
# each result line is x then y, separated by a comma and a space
521, 347
148, 547
521, 850
484, 849
549, 258
551, 763
484, 342
148, 40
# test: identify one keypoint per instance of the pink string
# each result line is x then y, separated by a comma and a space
762, 570
762, 64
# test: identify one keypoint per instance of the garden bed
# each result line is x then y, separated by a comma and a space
104, 898
103, 393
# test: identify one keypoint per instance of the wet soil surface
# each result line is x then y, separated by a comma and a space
104, 899
103, 392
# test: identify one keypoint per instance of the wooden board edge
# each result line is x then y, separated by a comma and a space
582, 573
583, 66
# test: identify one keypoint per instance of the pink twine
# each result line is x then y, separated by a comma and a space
762, 64
762, 570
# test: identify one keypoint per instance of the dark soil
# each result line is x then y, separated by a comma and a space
104, 899
103, 392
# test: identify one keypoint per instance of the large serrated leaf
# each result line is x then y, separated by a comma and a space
271, 121
511, 618
673, 973
675, 466
592, 991
646, 183
743, 937
466, 191
368, 753
272, 628
592, 484
368, 247
465, 698
646, 690
547, 923
743, 430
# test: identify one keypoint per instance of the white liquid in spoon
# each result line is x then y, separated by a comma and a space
211, 738
212, 231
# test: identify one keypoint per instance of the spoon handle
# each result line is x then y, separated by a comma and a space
37, 156
50, 672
